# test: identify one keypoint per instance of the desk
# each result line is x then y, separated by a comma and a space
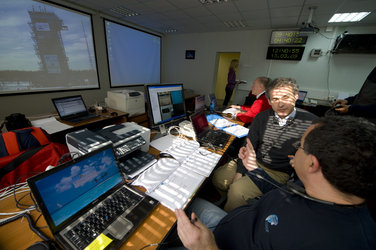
17, 234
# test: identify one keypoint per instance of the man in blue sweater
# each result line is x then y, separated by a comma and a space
336, 163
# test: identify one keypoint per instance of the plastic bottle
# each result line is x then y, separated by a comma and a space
211, 107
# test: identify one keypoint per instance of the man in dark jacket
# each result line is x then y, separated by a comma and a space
336, 163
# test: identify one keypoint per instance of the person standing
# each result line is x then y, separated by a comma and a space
231, 80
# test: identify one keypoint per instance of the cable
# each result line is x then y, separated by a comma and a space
31, 224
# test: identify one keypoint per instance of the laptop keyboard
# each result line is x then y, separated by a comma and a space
93, 225
216, 138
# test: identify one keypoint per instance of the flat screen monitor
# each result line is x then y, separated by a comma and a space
165, 103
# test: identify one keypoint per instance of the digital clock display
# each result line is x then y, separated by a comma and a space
285, 53
287, 38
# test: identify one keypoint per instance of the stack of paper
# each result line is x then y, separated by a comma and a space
173, 181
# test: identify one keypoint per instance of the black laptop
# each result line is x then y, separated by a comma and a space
72, 109
86, 202
205, 135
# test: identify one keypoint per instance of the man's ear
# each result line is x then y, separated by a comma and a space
269, 102
314, 164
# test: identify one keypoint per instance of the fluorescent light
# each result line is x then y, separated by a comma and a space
348, 17
212, 1
121, 10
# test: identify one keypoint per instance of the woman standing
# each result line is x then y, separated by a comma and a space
231, 82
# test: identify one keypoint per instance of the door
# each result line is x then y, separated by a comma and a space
224, 60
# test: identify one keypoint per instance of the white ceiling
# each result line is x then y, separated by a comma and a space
187, 16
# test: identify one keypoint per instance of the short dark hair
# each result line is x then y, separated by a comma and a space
282, 82
265, 81
345, 147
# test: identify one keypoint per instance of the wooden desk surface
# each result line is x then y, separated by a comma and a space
17, 234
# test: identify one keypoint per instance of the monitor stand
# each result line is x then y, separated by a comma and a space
162, 132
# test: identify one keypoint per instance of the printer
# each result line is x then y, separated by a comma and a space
125, 138
129, 140
129, 101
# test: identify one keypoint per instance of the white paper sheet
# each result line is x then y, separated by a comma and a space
237, 130
51, 125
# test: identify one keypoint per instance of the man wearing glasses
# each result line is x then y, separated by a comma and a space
336, 164
274, 134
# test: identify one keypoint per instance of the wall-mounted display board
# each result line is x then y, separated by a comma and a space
285, 53
285, 37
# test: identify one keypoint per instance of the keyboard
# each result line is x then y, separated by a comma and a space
129, 146
82, 118
216, 138
82, 234
136, 163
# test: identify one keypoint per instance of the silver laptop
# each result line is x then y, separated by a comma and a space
86, 201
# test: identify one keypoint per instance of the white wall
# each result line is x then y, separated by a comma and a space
321, 77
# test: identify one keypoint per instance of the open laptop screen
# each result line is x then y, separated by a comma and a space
69, 106
199, 122
65, 190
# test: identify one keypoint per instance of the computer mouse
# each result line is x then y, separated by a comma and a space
165, 155
114, 113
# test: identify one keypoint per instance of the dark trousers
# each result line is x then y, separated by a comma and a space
228, 96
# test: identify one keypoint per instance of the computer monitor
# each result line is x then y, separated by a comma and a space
199, 103
301, 96
165, 104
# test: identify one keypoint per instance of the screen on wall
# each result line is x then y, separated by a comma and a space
134, 56
45, 47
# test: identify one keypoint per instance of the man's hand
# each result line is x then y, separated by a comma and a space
249, 156
235, 106
343, 109
193, 233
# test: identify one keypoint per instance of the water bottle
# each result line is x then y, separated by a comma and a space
211, 107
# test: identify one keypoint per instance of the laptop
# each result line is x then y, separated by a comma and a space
87, 202
72, 109
301, 96
205, 135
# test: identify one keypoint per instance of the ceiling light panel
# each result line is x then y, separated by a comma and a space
348, 17
122, 11
212, 1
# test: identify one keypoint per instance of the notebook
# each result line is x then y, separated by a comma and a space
87, 202
72, 109
204, 134
301, 96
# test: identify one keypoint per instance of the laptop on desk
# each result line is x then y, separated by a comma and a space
204, 134
86, 201
72, 109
